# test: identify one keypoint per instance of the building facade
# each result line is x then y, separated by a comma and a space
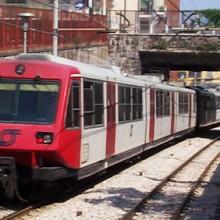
192, 78
98, 6
44, 4
152, 16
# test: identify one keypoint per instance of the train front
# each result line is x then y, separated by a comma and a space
30, 95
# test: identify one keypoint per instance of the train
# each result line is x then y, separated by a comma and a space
63, 119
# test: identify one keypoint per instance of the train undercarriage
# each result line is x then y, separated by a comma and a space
15, 182
8, 177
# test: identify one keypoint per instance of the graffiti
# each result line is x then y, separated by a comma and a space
8, 137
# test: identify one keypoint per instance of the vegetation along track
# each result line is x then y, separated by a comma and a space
174, 192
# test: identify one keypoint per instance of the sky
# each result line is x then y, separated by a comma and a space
199, 4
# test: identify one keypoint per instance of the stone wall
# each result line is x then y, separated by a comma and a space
124, 48
95, 55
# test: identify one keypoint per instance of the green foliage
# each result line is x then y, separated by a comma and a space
213, 16
208, 47
161, 9
161, 45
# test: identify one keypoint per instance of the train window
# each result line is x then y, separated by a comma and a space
16, 1
217, 102
73, 110
25, 101
127, 103
7, 96
183, 103
137, 103
93, 103
130, 103
159, 103
124, 103
162, 103
194, 103
209, 102
166, 104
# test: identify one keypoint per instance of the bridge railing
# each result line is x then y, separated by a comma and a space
156, 22
75, 29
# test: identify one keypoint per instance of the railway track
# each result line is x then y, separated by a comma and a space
20, 212
12, 213
163, 198
71, 192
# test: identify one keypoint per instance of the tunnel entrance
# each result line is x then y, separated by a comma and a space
165, 61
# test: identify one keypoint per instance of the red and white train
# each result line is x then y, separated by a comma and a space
60, 118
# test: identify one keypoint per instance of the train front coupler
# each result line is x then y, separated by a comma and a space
8, 177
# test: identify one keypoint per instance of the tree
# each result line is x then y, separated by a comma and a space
213, 16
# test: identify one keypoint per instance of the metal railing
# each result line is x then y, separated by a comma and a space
156, 22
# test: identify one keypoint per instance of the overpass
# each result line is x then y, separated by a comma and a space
160, 53
163, 61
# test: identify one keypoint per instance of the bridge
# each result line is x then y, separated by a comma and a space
153, 53
135, 52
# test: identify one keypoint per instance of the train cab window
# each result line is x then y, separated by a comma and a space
183, 103
162, 103
93, 103
25, 101
73, 110
130, 103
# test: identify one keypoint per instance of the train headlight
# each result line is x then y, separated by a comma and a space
44, 137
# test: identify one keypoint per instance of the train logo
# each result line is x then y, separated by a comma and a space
8, 137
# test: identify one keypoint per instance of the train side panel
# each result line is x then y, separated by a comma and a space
101, 117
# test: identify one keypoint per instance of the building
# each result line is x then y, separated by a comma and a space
192, 78
98, 6
154, 16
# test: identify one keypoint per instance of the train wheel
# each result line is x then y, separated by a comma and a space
8, 189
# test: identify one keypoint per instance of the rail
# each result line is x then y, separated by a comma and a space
178, 211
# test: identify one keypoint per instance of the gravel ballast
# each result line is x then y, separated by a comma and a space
112, 198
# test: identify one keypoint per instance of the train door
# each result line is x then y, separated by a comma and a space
172, 112
152, 115
70, 137
111, 125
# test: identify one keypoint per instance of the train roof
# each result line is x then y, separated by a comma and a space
100, 72
207, 89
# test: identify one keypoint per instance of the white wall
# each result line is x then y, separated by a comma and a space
158, 4
133, 4
130, 4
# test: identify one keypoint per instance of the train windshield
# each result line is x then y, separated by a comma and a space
28, 101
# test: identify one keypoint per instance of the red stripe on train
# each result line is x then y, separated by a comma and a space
152, 115
111, 125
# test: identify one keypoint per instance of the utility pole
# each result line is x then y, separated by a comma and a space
90, 5
55, 26
25, 18
104, 7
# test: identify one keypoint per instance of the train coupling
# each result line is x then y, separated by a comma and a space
8, 177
